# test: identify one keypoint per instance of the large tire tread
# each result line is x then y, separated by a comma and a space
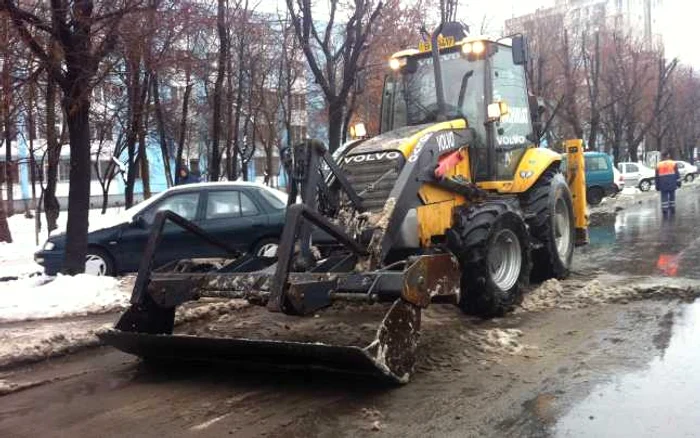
468, 239
537, 204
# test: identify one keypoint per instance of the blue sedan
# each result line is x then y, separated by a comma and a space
247, 216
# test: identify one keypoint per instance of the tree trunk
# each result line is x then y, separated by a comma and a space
183, 129
143, 153
335, 124
77, 110
105, 199
7, 127
214, 165
53, 154
5, 234
161, 130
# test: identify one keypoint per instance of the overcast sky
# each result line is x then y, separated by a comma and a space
677, 20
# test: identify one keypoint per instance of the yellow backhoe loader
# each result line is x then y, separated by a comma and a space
452, 202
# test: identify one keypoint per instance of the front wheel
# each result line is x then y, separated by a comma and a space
492, 245
689, 178
645, 185
98, 262
266, 248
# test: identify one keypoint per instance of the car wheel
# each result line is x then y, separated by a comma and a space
266, 248
98, 262
594, 195
645, 185
689, 178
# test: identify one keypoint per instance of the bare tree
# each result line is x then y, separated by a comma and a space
334, 55
84, 36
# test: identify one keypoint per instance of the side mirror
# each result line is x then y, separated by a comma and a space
520, 52
139, 222
496, 111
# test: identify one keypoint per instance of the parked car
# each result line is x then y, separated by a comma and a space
637, 175
619, 180
600, 177
688, 171
247, 216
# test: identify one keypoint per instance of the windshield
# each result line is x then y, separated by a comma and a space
410, 98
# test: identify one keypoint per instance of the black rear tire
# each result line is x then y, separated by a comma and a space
594, 195
540, 204
473, 238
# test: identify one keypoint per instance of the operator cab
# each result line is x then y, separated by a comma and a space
484, 82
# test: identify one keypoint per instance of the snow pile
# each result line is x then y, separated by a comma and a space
57, 344
570, 294
497, 341
39, 297
544, 297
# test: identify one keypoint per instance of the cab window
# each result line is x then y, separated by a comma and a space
510, 86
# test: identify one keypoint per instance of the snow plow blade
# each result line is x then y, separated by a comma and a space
329, 316
389, 357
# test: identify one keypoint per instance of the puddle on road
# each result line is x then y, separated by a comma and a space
661, 400
639, 241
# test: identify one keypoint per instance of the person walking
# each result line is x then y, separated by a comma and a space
186, 177
668, 179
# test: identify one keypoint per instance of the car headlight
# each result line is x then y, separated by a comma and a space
48, 246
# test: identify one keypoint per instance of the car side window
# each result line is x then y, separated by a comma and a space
248, 207
229, 203
222, 204
184, 204
596, 163
632, 168
680, 165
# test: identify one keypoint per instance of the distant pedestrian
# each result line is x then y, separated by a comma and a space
186, 177
668, 179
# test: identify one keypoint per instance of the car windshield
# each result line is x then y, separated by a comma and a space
411, 97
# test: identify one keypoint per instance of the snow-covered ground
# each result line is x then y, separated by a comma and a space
43, 297
17, 258
42, 317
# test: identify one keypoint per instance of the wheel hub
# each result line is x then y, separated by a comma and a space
95, 265
505, 259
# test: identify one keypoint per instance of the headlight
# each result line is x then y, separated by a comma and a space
48, 246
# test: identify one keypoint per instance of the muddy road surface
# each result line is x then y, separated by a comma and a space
610, 352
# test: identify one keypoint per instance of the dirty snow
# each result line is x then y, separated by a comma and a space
42, 297
576, 293
497, 341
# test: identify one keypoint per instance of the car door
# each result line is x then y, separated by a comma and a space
233, 216
176, 243
681, 169
632, 175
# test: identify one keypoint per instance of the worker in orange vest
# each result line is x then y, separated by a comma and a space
668, 179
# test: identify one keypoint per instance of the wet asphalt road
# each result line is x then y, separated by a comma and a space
640, 241
662, 397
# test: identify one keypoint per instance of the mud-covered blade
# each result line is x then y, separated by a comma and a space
290, 355
388, 354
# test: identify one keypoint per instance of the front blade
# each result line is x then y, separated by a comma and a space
337, 340
279, 354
